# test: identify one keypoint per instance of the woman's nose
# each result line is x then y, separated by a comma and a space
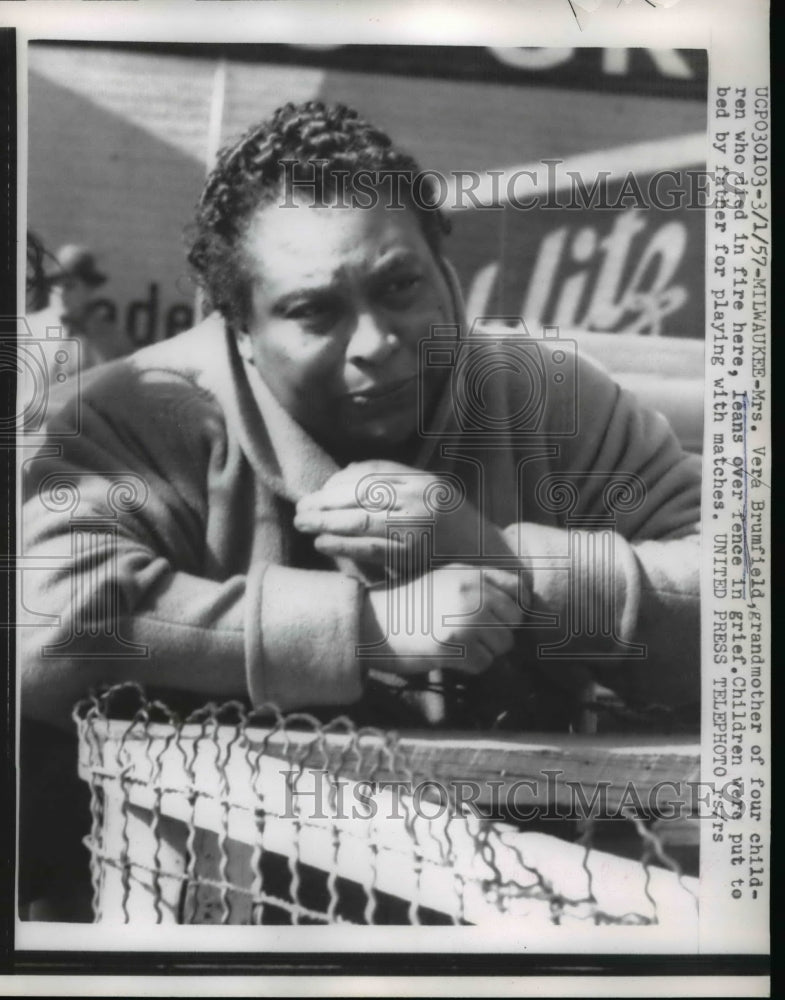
372, 342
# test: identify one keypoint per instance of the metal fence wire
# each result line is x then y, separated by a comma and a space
237, 817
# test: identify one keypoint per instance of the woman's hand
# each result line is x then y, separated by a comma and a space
460, 610
374, 512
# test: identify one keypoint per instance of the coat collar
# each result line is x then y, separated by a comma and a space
281, 452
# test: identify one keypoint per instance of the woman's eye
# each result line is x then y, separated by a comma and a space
312, 313
403, 285
305, 311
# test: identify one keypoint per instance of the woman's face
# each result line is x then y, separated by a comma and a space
340, 300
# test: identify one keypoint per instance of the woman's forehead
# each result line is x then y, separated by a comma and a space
301, 242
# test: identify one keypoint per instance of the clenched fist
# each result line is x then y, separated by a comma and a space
455, 618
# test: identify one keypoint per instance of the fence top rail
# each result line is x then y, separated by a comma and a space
613, 761
299, 731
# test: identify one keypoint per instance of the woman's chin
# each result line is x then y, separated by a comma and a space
374, 439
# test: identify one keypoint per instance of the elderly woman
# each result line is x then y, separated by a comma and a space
292, 503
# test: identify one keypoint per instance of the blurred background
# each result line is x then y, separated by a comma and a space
121, 137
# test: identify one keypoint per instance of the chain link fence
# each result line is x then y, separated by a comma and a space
237, 817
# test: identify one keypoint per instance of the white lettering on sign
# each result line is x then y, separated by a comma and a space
531, 58
668, 61
615, 62
601, 293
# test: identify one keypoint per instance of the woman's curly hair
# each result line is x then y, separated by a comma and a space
312, 144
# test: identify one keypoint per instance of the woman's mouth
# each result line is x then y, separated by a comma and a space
381, 396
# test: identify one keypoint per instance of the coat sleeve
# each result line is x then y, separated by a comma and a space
652, 578
116, 582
